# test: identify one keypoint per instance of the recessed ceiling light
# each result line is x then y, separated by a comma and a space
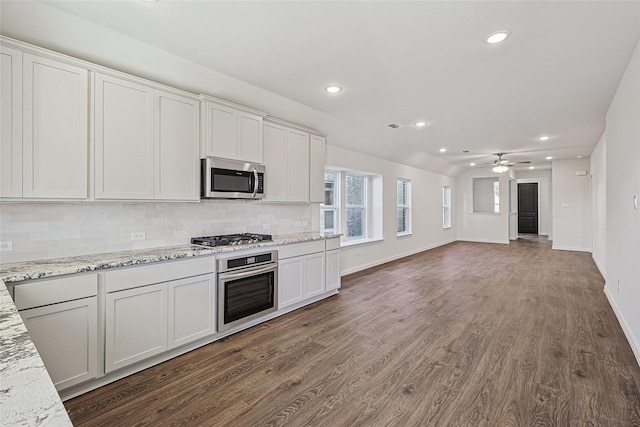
442, 150
532, 167
543, 138
497, 37
472, 164
549, 158
333, 89
580, 157
420, 124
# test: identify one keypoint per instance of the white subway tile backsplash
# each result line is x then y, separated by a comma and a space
51, 230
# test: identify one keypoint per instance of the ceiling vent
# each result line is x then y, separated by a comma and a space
394, 125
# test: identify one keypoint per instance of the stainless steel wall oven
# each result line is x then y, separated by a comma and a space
247, 288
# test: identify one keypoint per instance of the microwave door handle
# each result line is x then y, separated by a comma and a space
255, 183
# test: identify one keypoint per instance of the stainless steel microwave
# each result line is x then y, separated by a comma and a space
231, 179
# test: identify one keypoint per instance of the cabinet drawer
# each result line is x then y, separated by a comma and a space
141, 275
333, 243
45, 292
297, 249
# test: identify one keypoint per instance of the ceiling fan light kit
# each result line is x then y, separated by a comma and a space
500, 169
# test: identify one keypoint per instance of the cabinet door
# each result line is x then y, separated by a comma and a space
298, 166
290, 281
316, 169
136, 325
192, 309
314, 275
123, 139
275, 162
66, 336
11, 119
221, 131
55, 120
249, 138
176, 172
332, 260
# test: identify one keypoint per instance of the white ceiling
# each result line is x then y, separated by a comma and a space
407, 61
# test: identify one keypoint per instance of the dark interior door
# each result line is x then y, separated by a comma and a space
528, 208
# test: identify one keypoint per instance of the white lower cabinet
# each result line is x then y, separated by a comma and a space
332, 273
192, 309
61, 316
66, 336
300, 277
136, 325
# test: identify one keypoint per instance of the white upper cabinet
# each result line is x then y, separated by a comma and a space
123, 139
230, 131
11, 119
294, 160
146, 142
177, 124
45, 109
316, 169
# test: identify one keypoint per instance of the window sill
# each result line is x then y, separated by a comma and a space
446, 228
406, 233
355, 242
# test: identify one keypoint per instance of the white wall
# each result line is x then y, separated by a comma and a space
481, 227
426, 210
571, 205
623, 220
599, 204
543, 178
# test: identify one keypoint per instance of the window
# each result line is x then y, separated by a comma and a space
352, 205
404, 206
486, 195
446, 207
328, 213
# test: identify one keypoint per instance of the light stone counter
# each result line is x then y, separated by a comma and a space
27, 394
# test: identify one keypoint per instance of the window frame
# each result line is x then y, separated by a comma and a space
406, 206
335, 208
446, 207
364, 206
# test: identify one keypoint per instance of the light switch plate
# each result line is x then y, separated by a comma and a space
6, 246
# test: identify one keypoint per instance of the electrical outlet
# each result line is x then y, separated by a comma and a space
140, 235
266, 226
6, 246
305, 223
298, 223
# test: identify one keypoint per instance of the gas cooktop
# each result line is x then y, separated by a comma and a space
230, 239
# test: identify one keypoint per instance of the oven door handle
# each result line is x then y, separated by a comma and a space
248, 272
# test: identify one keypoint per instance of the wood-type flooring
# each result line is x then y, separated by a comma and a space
467, 334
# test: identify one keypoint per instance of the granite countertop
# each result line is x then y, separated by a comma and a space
27, 394
29, 270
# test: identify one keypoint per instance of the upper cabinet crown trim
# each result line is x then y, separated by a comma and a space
220, 101
282, 122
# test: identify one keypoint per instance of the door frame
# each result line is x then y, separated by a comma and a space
533, 181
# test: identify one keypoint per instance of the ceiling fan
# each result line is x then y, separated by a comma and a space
501, 165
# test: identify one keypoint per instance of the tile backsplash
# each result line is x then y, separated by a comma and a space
52, 230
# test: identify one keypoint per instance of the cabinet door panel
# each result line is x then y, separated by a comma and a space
123, 139
11, 119
250, 138
333, 270
314, 275
66, 335
275, 161
290, 281
191, 309
316, 169
222, 132
298, 166
55, 114
177, 148
136, 325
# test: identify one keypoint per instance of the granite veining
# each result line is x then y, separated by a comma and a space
27, 394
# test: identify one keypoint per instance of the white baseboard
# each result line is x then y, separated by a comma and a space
393, 258
600, 267
633, 342
502, 242
570, 248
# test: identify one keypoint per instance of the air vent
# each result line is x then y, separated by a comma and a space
394, 125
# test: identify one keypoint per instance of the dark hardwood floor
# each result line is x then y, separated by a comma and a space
466, 334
